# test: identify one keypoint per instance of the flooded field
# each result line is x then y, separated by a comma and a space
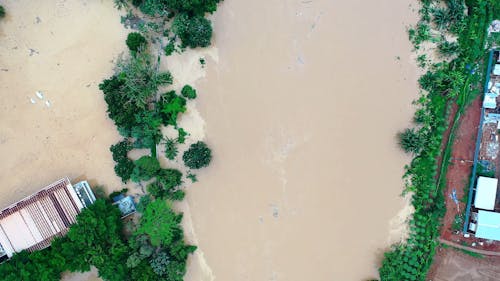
62, 49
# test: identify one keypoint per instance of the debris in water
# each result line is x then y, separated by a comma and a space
33, 52
39, 95
275, 210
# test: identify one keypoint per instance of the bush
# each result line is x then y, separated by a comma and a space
169, 49
188, 92
135, 41
194, 31
124, 166
171, 149
197, 156
448, 48
411, 140
145, 168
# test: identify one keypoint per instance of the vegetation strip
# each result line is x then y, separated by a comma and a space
452, 81
150, 247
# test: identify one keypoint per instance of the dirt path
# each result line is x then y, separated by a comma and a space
479, 251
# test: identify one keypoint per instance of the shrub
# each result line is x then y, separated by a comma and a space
448, 48
135, 41
171, 150
143, 203
159, 222
188, 92
194, 31
411, 140
197, 156
181, 135
145, 168
169, 49
170, 107
124, 166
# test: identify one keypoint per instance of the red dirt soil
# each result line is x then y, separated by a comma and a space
458, 176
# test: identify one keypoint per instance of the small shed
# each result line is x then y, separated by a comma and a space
486, 193
488, 225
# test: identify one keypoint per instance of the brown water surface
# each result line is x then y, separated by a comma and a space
301, 111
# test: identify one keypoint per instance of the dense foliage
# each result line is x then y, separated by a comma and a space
94, 240
171, 150
411, 140
447, 84
197, 156
164, 7
145, 168
135, 41
124, 166
194, 31
188, 92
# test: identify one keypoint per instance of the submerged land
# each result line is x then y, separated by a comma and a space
305, 180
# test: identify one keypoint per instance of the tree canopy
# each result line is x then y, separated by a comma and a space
135, 41
146, 168
194, 31
197, 156
159, 223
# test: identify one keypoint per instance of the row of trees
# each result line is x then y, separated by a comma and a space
189, 22
445, 84
155, 251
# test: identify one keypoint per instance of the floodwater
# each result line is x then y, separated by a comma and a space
62, 49
301, 111
301, 102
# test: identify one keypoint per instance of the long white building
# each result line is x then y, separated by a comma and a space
32, 223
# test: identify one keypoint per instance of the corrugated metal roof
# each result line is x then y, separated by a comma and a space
32, 223
486, 192
488, 225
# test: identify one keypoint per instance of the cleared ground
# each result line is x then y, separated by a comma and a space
454, 265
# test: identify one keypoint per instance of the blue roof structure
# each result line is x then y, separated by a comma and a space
126, 205
488, 225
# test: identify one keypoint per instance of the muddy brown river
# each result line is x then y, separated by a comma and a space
301, 102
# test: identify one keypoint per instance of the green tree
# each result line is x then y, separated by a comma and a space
145, 168
96, 237
171, 105
147, 132
411, 140
159, 222
143, 203
2, 12
159, 263
197, 156
171, 150
188, 92
135, 41
140, 79
194, 31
